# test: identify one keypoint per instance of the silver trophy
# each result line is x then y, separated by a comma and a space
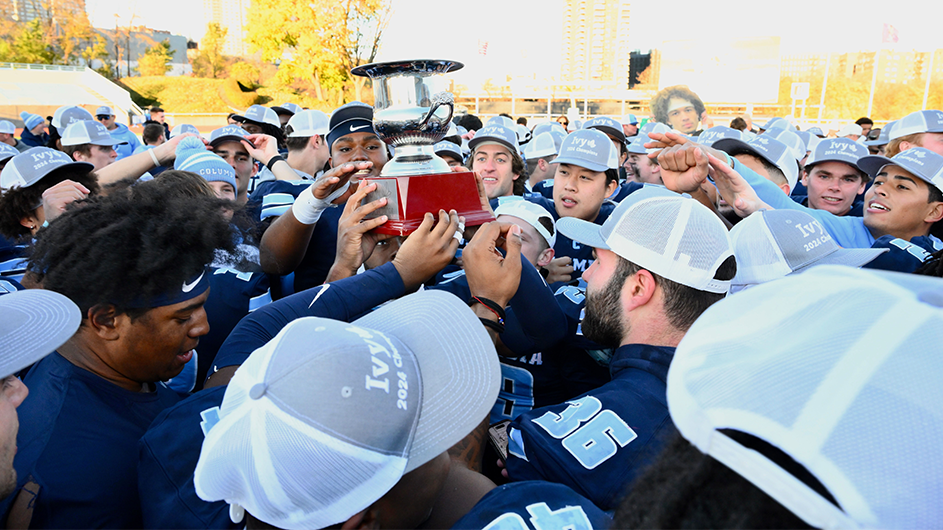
412, 111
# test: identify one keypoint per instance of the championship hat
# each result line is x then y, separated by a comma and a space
837, 370
446, 147
920, 162
816, 131
810, 140
308, 123
629, 119
530, 213
673, 236
31, 120
287, 108
524, 135
104, 110
769, 149
35, 322
192, 156
7, 151
792, 140
542, 145
327, 417
637, 142
719, 132
837, 150
922, 121
776, 123
770, 244
7, 127
611, 127
501, 121
30, 166
496, 135
229, 133
65, 116
88, 132
259, 114
350, 118
885, 135
184, 128
588, 148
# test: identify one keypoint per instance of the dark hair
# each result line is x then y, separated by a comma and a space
17, 203
296, 143
684, 488
506, 115
864, 121
470, 122
612, 175
771, 168
684, 304
152, 133
934, 195
547, 223
121, 249
157, 109
659, 103
271, 130
174, 184
522, 120
85, 149
738, 123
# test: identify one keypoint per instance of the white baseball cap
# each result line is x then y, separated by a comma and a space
184, 128
770, 244
30, 166
851, 128
64, 116
670, 235
323, 420
308, 123
839, 368
528, 212
259, 114
104, 110
588, 148
542, 145
922, 121
35, 322
88, 132
7, 127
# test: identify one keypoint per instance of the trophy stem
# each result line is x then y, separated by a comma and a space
411, 160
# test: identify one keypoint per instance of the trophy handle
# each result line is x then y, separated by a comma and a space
442, 98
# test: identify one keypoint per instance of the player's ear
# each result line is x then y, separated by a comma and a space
103, 320
805, 180
545, 257
935, 212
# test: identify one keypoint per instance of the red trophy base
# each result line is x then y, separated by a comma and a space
410, 198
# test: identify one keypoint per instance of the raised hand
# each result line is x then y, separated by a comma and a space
560, 270
429, 249
491, 275
734, 189
355, 241
60, 196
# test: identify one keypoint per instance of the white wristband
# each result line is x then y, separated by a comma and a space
307, 208
154, 158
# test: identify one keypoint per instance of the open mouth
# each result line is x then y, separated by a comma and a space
185, 358
568, 202
878, 207
832, 200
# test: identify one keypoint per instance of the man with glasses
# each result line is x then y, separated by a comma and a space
118, 131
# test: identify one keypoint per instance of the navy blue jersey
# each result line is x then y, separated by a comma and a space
345, 300
12, 260
78, 440
625, 189
903, 256
598, 442
276, 197
544, 188
233, 295
582, 255
534, 505
168, 455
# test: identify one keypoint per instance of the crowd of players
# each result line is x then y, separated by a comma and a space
668, 324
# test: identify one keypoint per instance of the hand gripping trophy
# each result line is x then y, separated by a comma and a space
412, 112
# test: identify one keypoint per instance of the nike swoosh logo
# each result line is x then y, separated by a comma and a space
322, 291
352, 129
187, 287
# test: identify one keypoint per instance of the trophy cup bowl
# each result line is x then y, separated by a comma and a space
412, 111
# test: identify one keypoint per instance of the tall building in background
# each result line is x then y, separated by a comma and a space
27, 10
232, 15
595, 42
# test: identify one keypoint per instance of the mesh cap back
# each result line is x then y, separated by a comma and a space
840, 369
673, 236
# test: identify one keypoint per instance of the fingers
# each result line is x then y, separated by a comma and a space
512, 244
460, 169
